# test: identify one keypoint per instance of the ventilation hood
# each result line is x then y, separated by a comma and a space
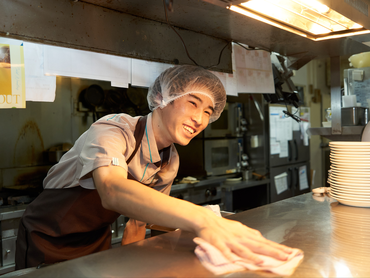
213, 17
139, 29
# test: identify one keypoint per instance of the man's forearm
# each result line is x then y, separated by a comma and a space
137, 201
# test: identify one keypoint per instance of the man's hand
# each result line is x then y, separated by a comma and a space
233, 237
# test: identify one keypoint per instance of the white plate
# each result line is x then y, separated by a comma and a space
356, 190
351, 157
350, 166
346, 177
351, 172
353, 203
348, 143
336, 190
350, 163
350, 195
349, 198
348, 182
350, 160
347, 152
339, 169
351, 176
360, 159
352, 148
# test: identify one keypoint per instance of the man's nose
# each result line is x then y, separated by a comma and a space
198, 117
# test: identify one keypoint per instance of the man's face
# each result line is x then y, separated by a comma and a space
186, 117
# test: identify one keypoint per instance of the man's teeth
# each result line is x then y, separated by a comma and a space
189, 129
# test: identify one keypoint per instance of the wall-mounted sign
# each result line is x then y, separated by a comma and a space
12, 78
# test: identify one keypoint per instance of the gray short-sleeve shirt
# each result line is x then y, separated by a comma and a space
110, 140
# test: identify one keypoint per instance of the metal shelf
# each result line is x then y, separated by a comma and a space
349, 133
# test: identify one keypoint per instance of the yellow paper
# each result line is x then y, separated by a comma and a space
12, 77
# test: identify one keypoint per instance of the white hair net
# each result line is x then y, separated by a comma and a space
181, 80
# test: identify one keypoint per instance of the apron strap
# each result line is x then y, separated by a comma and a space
166, 156
138, 134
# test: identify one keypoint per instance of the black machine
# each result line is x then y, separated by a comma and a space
285, 91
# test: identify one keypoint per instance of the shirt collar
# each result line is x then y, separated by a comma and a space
149, 145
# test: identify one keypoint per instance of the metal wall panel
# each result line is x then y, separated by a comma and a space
90, 27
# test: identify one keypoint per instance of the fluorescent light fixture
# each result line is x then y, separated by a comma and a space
308, 18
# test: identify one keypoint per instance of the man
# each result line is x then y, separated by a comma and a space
123, 165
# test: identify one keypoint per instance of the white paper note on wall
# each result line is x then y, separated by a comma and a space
274, 146
303, 183
284, 152
281, 183
229, 82
86, 64
144, 73
38, 86
253, 70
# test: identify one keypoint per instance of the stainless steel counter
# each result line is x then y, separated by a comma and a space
301, 222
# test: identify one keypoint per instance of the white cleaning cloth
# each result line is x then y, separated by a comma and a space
215, 262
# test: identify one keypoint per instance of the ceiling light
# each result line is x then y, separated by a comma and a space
308, 18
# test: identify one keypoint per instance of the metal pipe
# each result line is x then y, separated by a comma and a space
336, 95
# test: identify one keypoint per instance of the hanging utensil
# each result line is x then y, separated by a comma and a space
92, 97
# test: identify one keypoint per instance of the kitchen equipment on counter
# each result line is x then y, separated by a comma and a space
352, 116
247, 174
357, 84
230, 124
9, 221
360, 60
349, 101
92, 97
55, 153
211, 157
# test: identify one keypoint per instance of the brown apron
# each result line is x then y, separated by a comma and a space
63, 224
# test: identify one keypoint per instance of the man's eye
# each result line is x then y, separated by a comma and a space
193, 103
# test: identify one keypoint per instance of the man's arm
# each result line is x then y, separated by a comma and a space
135, 200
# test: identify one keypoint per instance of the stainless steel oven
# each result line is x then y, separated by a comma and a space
211, 157
230, 124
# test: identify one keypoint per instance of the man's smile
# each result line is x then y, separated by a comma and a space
188, 129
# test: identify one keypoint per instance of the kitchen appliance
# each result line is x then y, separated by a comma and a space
289, 161
352, 116
357, 83
211, 157
230, 124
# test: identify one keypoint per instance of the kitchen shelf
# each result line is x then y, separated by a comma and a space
349, 133
232, 186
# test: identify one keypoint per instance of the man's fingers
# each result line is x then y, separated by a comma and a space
265, 247
238, 249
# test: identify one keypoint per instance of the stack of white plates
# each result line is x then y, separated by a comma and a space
350, 173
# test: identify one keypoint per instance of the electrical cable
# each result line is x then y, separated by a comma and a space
293, 116
184, 45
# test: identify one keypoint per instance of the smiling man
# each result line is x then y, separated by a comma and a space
126, 165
